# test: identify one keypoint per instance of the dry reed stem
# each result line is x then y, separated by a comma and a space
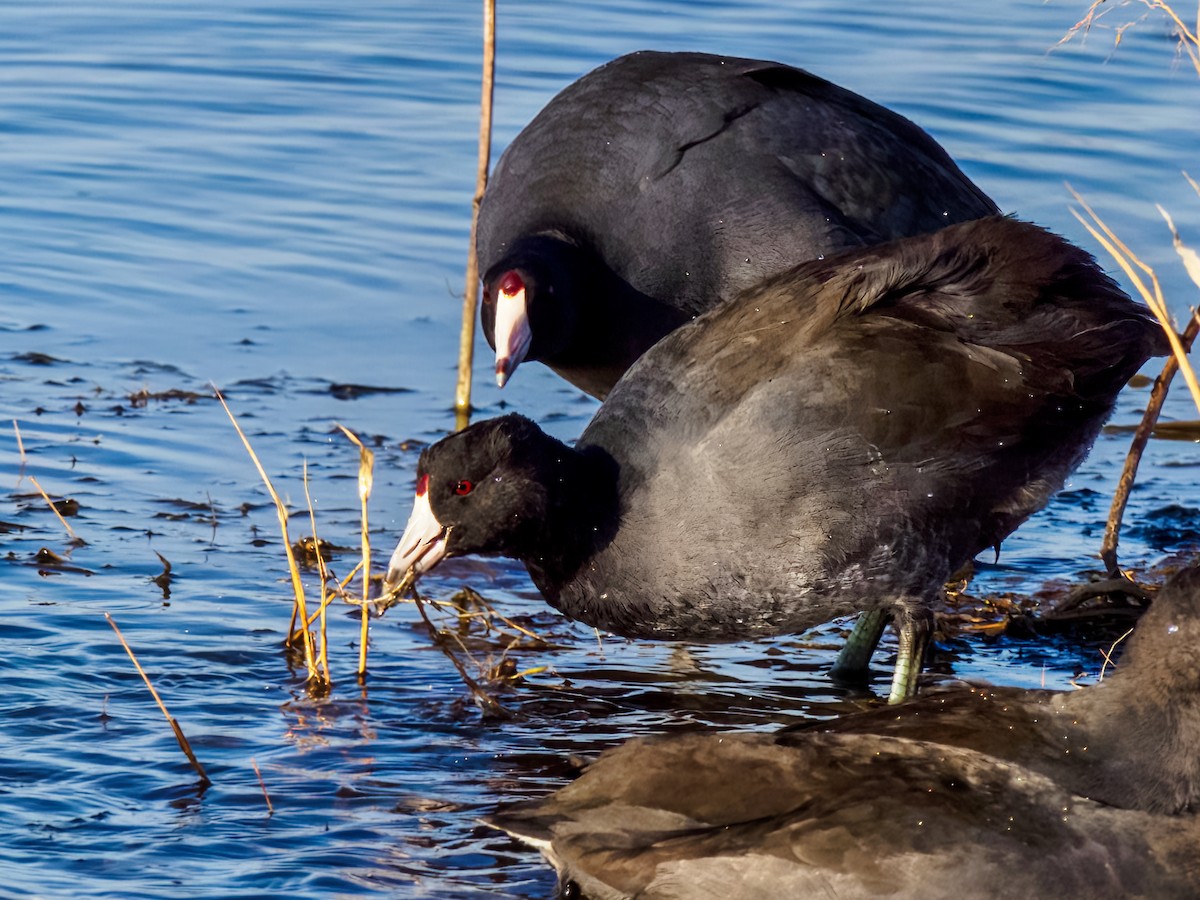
323, 652
54, 509
1127, 259
179, 735
262, 784
366, 480
466, 347
1158, 395
20, 450
300, 607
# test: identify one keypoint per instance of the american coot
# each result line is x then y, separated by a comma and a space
839, 438
662, 184
997, 793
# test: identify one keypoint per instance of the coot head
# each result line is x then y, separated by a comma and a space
484, 492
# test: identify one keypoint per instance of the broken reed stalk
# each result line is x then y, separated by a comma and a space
262, 784
1108, 548
366, 477
300, 608
466, 347
54, 509
179, 736
1180, 345
323, 652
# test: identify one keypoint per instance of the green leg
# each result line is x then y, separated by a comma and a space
855, 656
914, 636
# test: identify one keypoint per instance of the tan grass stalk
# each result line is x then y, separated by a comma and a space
466, 347
20, 450
1127, 260
323, 652
1189, 41
54, 509
300, 608
179, 735
1108, 661
366, 480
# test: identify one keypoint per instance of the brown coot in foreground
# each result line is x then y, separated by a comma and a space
969, 793
838, 439
662, 184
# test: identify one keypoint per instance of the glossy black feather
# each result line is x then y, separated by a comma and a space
662, 184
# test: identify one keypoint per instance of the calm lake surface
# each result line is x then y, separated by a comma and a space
274, 198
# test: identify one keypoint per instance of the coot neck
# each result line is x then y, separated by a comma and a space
581, 517
589, 323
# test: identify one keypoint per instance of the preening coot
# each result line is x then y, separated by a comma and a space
662, 184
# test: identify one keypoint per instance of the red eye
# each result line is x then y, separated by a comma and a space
511, 284
463, 488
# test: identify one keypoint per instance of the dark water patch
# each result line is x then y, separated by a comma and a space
1169, 527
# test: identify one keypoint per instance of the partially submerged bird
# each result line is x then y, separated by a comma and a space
970, 792
662, 184
838, 439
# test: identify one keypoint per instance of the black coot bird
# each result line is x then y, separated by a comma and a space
661, 184
838, 439
998, 793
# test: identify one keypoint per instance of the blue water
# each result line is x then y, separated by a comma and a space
275, 198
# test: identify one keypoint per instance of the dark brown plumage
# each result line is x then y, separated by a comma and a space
970, 792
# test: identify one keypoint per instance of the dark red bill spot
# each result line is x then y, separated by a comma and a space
511, 283
422, 485
463, 488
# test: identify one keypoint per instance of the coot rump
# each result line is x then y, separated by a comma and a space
662, 184
967, 792
838, 439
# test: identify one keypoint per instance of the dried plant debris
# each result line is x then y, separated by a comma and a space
163, 579
37, 359
1166, 431
187, 509
354, 391
1100, 602
140, 399
50, 563
309, 549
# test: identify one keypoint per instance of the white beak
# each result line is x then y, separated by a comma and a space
422, 545
513, 334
